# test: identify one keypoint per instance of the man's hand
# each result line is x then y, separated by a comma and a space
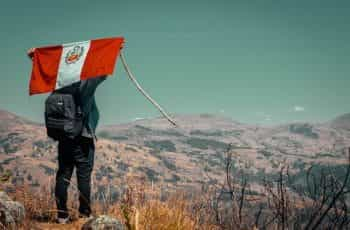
30, 53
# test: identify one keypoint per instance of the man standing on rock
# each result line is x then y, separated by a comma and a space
77, 152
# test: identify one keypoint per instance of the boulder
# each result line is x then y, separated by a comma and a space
12, 213
103, 222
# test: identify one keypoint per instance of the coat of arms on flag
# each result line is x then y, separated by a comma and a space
74, 54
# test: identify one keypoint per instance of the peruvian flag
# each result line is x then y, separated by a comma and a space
55, 67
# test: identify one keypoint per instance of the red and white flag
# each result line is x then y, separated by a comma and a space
55, 67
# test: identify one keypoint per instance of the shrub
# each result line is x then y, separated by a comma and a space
267, 154
200, 143
130, 149
107, 135
40, 144
216, 133
169, 164
8, 160
163, 145
170, 132
303, 129
123, 166
150, 173
48, 170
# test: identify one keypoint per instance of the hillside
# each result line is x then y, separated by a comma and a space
176, 158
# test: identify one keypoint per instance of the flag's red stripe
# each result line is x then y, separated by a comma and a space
101, 57
45, 68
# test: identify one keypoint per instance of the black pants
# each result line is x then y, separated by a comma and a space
74, 153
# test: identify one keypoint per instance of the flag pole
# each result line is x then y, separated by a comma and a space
132, 78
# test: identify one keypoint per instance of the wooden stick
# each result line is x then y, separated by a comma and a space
132, 78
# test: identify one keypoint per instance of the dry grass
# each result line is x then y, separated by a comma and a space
161, 215
141, 207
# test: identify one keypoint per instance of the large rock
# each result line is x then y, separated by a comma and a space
103, 223
11, 213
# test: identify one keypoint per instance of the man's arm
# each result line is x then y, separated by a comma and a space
88, 87
87, 90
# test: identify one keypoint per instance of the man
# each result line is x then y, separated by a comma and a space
78, 152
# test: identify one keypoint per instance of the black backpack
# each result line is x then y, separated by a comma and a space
64, 117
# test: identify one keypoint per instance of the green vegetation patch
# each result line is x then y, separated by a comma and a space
170, 132
48, 170
143, 128
303, 129
174, 178
163, 145
130, 149
10, 143
107, 135
40, 144
267, 154
169, 164
8, 160
216, 133
325, 155
150, 173
200, 143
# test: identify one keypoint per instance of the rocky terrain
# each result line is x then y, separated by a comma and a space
176, 158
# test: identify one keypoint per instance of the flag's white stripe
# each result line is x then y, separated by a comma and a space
71, 63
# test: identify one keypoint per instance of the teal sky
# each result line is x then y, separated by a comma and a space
263, 62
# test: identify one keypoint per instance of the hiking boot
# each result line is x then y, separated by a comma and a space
84, 215
63, 220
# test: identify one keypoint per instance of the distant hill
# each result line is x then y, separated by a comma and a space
9, 120
183, 157
342, 122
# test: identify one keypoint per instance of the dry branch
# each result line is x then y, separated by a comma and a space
132, 78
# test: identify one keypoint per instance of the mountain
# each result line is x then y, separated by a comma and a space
341, 122
176, 158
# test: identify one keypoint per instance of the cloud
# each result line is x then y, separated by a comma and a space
264, 116
298, 108
138, 118
267, 118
